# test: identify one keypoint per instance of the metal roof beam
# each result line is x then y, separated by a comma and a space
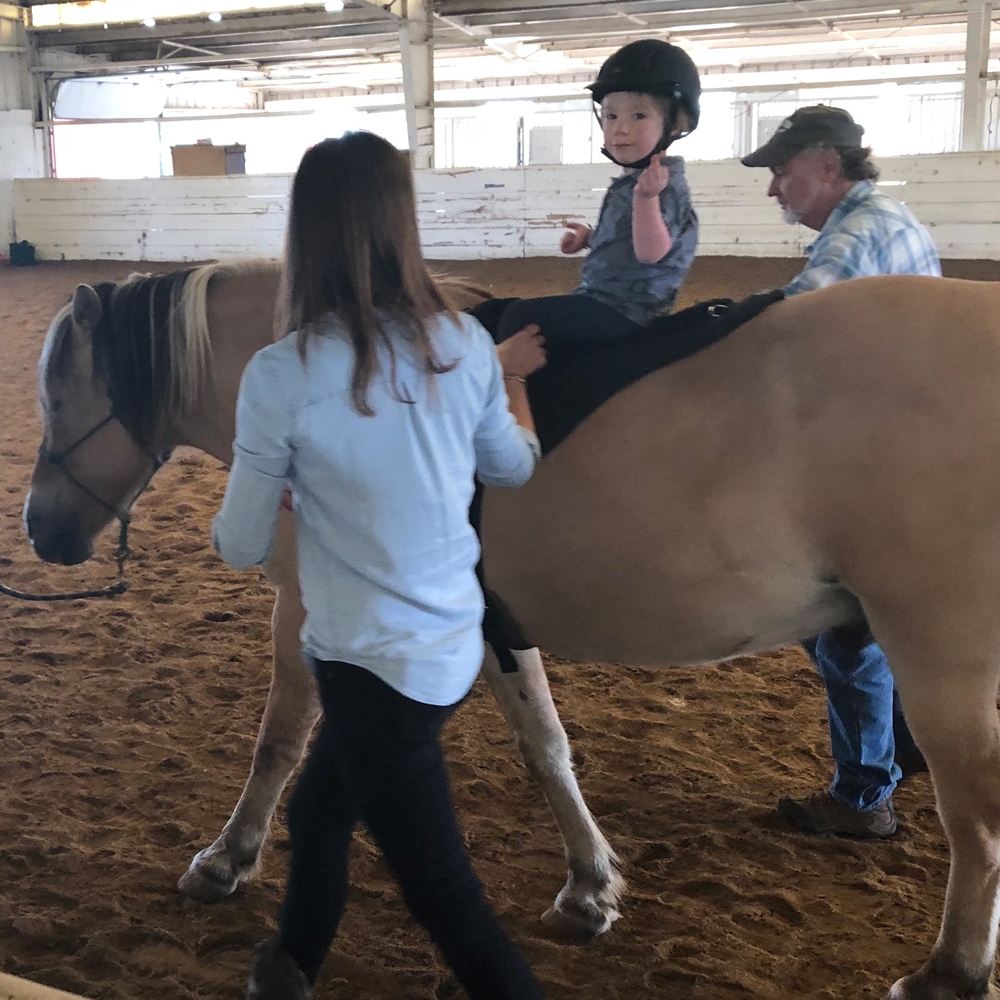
774, 13
359, 37
211, 32
182, 62
686, 8
555, 36
387, 9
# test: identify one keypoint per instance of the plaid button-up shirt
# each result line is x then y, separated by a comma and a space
868, 233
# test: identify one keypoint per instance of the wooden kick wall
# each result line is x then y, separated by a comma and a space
474, 214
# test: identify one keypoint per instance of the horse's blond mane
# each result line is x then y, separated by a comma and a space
174, 345
190, 338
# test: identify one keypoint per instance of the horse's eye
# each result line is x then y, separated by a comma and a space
56, 405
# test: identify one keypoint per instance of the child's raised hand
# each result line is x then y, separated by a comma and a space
653, 179
523, 353
576, 238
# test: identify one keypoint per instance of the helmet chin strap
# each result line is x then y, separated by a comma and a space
638, 164
665, 140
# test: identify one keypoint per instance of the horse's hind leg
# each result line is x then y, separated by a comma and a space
950, 704
292, 710
587, 904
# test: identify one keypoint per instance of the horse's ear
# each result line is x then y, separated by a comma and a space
86, 306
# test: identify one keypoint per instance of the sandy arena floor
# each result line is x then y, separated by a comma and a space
126, 731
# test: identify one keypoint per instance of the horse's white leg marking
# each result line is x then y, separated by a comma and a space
291, 712
588, 902
951, 709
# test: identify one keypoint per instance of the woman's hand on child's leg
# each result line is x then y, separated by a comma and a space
523, 353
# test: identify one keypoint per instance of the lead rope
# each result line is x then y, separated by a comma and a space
121, 553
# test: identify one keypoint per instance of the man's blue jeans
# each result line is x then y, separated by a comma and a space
867, 728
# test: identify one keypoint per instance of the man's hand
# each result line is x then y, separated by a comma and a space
523, 353
576, 238
653, 179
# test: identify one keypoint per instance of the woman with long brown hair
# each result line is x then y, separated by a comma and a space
379, 405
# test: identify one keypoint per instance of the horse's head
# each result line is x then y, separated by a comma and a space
89, 468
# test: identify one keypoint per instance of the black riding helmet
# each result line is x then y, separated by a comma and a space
651, 66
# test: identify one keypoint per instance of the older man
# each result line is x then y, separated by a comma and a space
823, 177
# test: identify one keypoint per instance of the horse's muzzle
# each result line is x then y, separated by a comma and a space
56, 540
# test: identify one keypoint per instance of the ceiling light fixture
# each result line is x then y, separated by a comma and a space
334, 6
149, 22
215, 16
866, 14
723, 26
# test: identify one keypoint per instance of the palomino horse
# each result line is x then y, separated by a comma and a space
836, 458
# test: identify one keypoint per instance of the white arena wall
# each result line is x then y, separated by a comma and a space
6, 214
477, 214
20, 156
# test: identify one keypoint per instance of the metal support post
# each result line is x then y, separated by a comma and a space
977, 54
417, 50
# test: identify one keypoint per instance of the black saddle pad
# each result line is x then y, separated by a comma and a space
580, 377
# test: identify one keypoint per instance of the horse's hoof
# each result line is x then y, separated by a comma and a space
922, 986
209, 878
577, 923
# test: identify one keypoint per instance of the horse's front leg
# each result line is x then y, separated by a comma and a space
291, 712
588, 903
